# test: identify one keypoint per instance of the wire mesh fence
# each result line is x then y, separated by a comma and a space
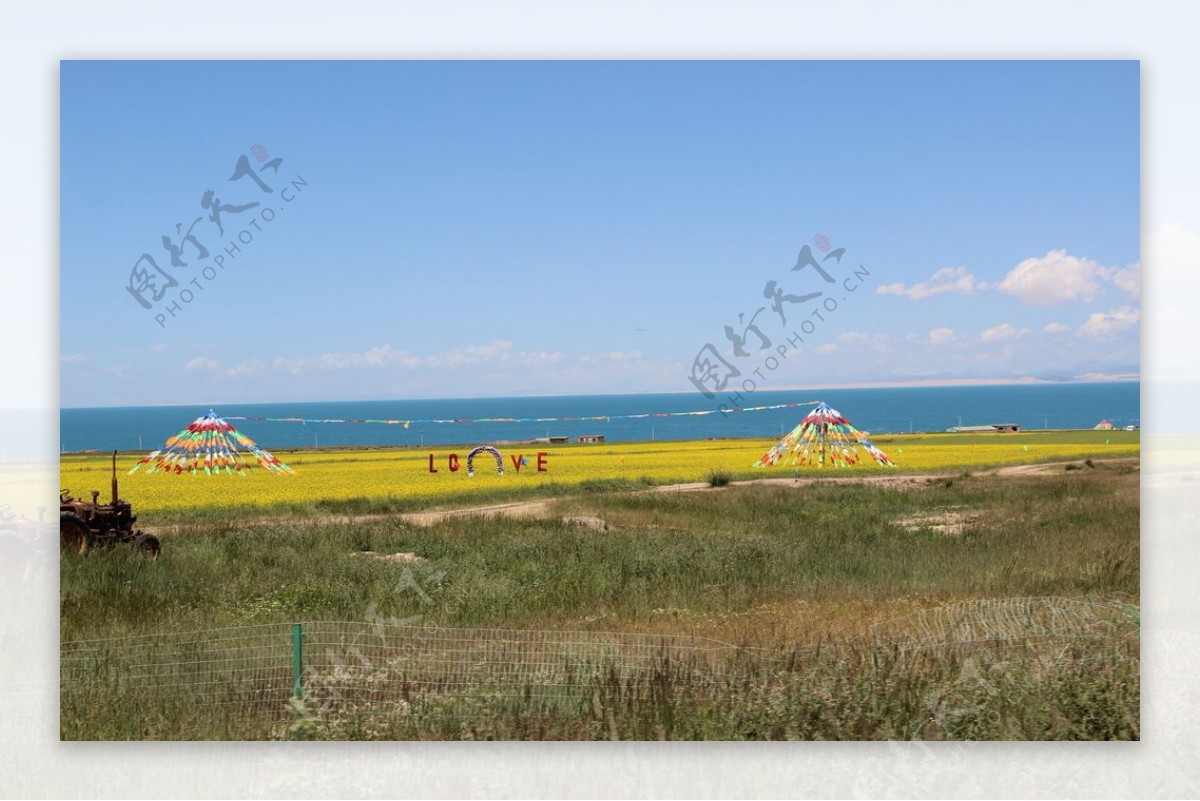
366, 662
1009, 620
340, 665
374, 668
243, 666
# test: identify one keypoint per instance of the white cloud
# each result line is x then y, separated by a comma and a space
958, 280
612, 356
1106, 324
1003, 332
247, 369
202, 363
1054, 278
1130, 279
377, 357
475, 354
338, 361
540, 358
853, 336
879, 343
1096, 376
73, 358
383, 357
289, 365
1055, 328
941, 336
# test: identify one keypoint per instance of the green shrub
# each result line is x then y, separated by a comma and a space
720, 478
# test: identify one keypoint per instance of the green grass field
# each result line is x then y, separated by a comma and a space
795, 576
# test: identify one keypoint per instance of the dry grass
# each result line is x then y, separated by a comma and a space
778, 569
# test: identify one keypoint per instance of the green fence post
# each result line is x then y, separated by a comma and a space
297, 660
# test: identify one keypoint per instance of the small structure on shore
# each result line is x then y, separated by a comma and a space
823, 437
556, 440
593, 438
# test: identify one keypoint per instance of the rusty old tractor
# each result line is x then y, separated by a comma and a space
86, 524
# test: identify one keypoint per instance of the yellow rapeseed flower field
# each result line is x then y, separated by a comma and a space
327, 477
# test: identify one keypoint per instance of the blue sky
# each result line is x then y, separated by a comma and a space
509, 228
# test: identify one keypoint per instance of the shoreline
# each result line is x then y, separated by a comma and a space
881, 437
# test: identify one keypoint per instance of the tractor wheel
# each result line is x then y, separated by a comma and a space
148, 544
73, 534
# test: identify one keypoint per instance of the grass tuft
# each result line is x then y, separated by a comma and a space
720, 478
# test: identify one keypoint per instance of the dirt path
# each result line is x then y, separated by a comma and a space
1050, 468
541, 508
516, 509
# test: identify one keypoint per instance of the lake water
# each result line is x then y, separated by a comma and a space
879, 411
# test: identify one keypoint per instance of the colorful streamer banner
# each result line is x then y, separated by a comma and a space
602, 417
208, 445
823, 436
